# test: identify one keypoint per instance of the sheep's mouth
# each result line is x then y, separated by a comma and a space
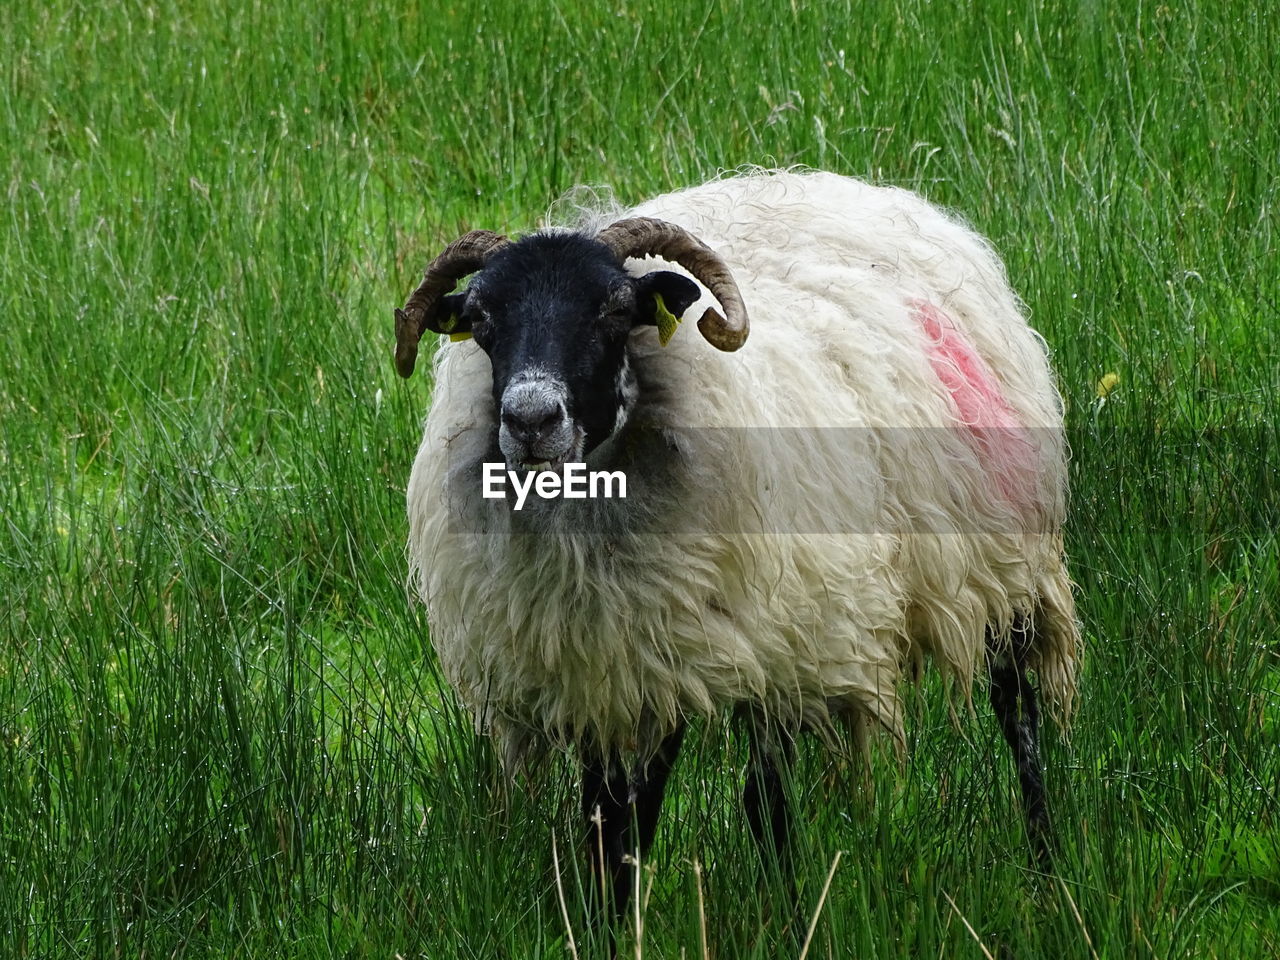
540, 465
540, 457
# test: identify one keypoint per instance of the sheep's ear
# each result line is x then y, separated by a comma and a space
662, 297
447, 317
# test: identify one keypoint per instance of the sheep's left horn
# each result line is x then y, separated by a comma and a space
638, 236
464, 256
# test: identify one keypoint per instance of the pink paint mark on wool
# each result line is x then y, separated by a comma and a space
1003, 445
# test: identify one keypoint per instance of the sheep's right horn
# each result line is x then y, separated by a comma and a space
637, 236
464, 256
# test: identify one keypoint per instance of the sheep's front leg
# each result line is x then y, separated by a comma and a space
1014, 701
764, 799
763, 796
622, 818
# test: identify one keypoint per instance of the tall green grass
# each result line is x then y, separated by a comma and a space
221, 730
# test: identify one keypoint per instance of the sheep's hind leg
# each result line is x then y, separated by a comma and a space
610, 801
1014, 701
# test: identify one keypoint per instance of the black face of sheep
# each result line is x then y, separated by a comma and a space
553, 312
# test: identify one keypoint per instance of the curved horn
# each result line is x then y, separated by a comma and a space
465, 255
637, 236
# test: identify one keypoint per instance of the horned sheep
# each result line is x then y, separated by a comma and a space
875, 478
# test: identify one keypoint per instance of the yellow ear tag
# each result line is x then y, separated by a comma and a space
448, 325
667, 321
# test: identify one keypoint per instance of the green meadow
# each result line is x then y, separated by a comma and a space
222, 729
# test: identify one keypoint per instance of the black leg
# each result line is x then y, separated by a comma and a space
763, 797
1014, 701
765, 802
610, 800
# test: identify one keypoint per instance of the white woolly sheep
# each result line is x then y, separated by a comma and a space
876, 477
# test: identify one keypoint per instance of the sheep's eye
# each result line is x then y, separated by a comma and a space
617, 308
481, 324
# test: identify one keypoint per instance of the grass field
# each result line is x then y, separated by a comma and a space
221, 729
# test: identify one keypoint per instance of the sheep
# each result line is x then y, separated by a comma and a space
877, 478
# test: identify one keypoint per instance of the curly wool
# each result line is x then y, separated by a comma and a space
876, 317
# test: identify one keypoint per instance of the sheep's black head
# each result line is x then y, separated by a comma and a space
553, 312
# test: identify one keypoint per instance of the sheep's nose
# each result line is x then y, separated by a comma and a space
532, 416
